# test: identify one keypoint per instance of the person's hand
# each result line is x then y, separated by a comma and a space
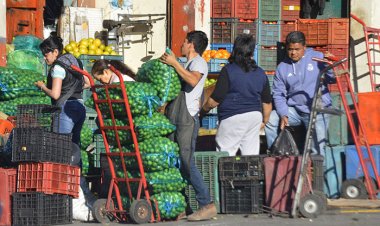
39, 84
284, 122
168, 59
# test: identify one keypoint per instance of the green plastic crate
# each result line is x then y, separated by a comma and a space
270, 10
207, 163
99, 148
91, 120
338, 131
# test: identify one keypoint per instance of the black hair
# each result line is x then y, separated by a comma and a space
199, 39
295, 37
242, 53
50, 44
100, 65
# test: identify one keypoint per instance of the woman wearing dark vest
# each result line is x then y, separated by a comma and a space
244, 101
64, 87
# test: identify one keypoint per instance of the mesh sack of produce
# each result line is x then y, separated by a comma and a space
10, 107
166, 180
125, 136
28, 42
142, 99
26, 59
85, 136
163, 77
16, 83
158, 154
155, 126
170, 204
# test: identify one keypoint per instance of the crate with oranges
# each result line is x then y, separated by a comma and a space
216, 59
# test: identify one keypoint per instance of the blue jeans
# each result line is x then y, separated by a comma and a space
202, 193
296, 118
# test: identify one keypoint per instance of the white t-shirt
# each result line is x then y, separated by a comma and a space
193, 94
126, 78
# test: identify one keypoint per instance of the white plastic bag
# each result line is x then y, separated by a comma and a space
81, 211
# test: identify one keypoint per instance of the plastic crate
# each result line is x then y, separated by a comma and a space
222, 30
38, 116
38, 145
91, 120
338, 131
270, 10
207, 164
370, 119
317, 172
242, 196
316, 31
270, 77
49, 178
88, 60
339, 31
210, 122
269, 33
286, 28
341, 51
241, 168
7, 187
246, 9
267, 58
245, 27
38, 209
334, 170
353, 166
226, 46
99, 148
290, 9
216, 65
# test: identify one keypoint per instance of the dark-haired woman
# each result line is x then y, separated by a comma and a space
64, 87
242, 95
102, 72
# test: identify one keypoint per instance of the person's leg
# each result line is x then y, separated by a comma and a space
77, 113
250, 143
320, 137
66, 124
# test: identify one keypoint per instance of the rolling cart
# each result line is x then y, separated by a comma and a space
309, 205
140, 208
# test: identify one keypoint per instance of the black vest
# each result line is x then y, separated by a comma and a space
72, 80
244, 94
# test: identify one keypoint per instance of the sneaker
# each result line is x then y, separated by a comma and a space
204, 213
181, 216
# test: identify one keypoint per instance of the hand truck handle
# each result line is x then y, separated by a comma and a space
358, 20
331, 64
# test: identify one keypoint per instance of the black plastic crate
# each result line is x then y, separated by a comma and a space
317, 172
38, 116
38, 145
242, 196
241, 168
35, 208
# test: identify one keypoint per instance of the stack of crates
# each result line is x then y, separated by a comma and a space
242, 184
46, 182
7, 187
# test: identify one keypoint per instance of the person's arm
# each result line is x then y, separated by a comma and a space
219, 93
86, 84
266, 99
190, 77
280, 94
55, 92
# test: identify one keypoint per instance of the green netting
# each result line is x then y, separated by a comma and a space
26, 59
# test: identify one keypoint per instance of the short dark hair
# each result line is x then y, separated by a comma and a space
242, 53
199, 39
295, 37
50, 44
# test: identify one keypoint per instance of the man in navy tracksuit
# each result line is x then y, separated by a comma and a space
294, 89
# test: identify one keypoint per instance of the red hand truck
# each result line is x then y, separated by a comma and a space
372, 44
105, 210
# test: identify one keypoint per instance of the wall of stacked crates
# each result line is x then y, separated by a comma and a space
43, 183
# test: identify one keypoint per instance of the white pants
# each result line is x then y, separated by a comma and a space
240, 131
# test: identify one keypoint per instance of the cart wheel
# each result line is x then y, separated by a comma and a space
311, 205
354, 189
140, 211
323, 197
100, 213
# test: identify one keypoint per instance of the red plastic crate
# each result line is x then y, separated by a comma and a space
371, 121
316, 31
290, 9
49, 178
246, 9
340, 51
7, 187
281, 179
286, 28
339, 30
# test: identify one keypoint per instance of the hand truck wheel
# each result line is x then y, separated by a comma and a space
101, 213
140, 211
311, 205
323, 196
354, 189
